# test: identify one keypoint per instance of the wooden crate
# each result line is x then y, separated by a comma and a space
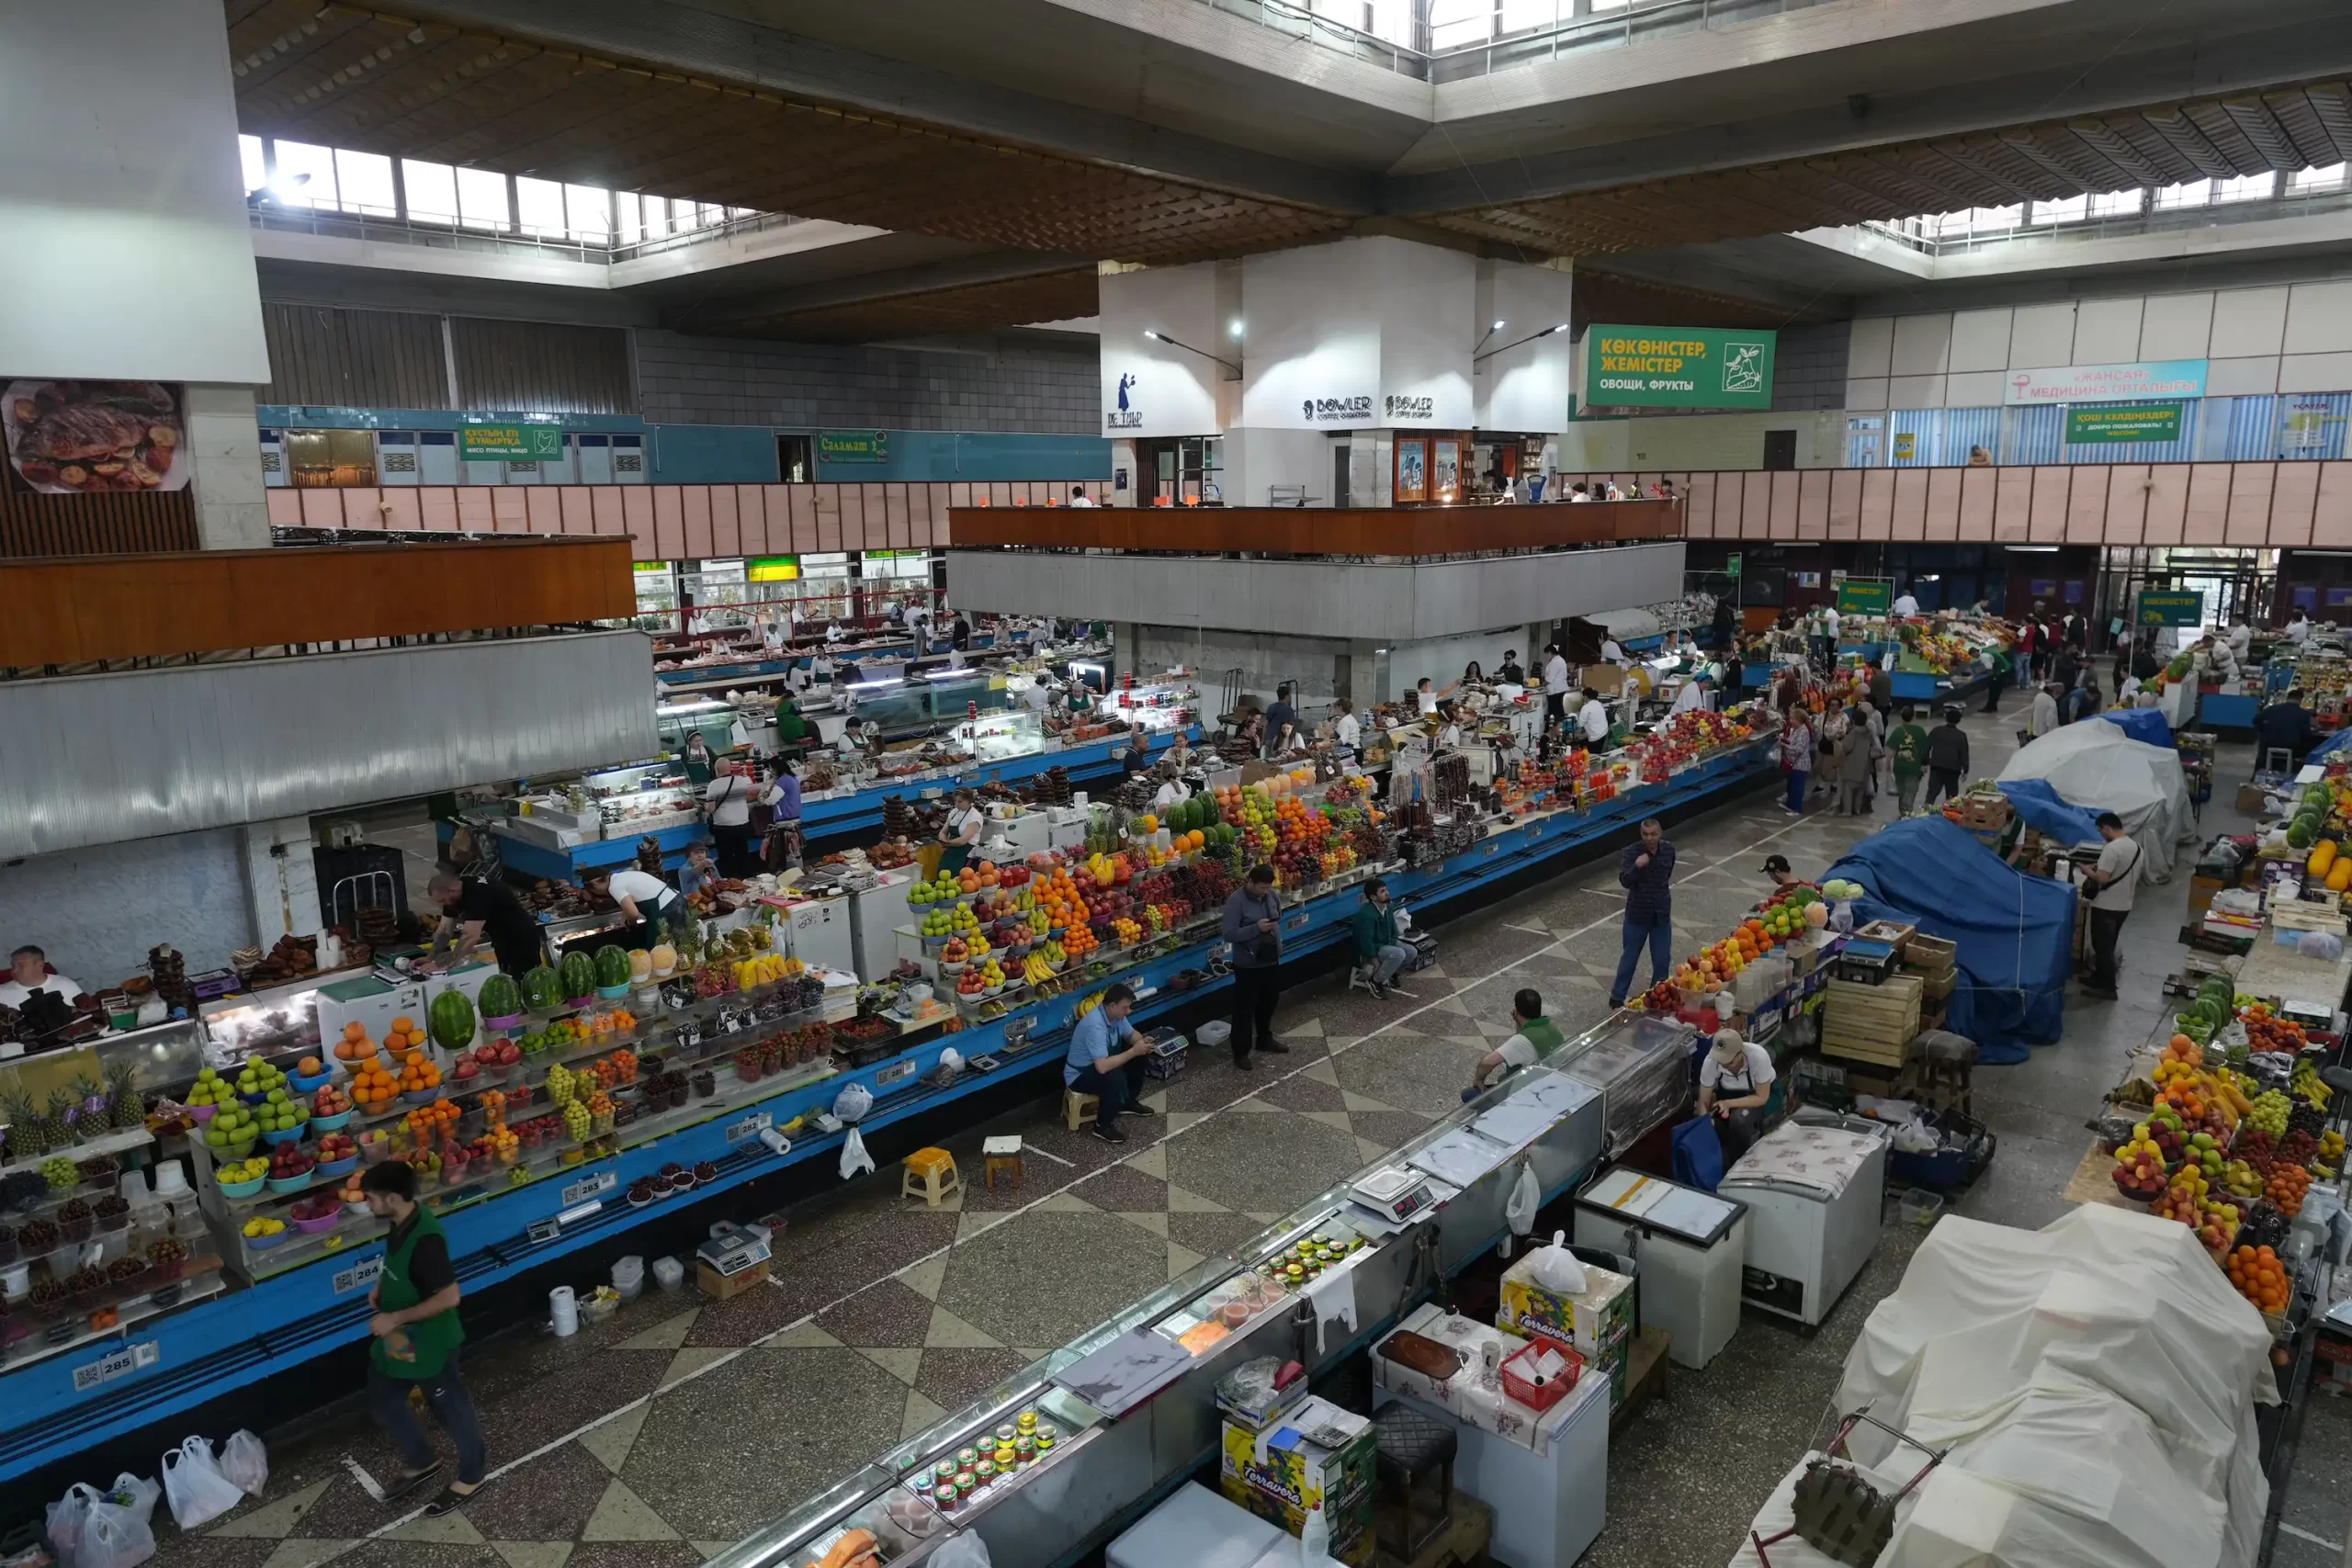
1872, 1023
1929, 954
1896, 934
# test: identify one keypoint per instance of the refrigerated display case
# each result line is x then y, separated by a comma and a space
267, 1022
1157, 706
1641, 1062
643, 798
1000, 737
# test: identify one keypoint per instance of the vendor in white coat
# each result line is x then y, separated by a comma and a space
28, 972
1593, 719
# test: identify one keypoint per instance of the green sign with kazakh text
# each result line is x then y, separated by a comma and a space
2104, 424
854, 446
1864, 598
2159, 608
1679, 367
514, 443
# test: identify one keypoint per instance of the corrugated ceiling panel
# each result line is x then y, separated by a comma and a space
541, 368
104, 758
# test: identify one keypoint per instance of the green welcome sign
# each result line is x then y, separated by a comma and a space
854, 446
2158, 608
1678, 368
2117, 423
513, 443
1864, 598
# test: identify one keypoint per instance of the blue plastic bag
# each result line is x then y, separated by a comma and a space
1697, 1154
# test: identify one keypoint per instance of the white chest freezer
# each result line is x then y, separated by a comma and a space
820, 932
1814, 1187
875, 913
1196, 1528
1691, 1247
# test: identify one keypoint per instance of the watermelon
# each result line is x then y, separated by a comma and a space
578, 974
612, 966
451, 1020
2317, 798
542, 991
500, 997
2180, 668
2302, 834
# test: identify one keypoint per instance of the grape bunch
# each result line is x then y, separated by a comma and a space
2308, 1118
2271, 1110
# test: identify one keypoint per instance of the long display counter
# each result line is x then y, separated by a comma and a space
517, 1218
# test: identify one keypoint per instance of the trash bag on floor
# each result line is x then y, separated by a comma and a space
244, 1461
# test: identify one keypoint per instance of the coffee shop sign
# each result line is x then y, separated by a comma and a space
1337, 410
1127, 416
1409, 408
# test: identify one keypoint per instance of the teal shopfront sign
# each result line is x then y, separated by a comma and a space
512, 443
1679, 367
2161, 608
854, 446
2121, 423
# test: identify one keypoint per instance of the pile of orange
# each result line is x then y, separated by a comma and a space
2260, 1278
1078, 940
493, 1107
424, 1119
1753, 939
2286, 1188
1182, 843
372, 1086
354, 1046
405, 1035
1058, 895
418, 1073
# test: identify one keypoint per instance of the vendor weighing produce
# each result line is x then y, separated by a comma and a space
472, 910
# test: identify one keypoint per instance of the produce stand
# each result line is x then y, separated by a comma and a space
572, 1194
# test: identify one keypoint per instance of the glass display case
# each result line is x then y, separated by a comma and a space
1000, 737
642, 798
1157, 705
269, 1022
920, 704
714, 716
160, 1056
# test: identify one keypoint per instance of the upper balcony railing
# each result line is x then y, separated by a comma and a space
2118, 215
386, 226
1446, 41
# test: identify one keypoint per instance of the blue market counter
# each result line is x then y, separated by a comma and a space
2215, 711
842, 816
314, 1304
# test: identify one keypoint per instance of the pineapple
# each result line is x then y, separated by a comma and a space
28, 1128
129, 1112
64, 1111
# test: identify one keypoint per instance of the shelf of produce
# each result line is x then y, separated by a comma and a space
201, 1281
112, 1143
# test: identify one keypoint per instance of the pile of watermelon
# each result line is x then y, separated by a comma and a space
2216, 1004
1199, 812
2310, 821
542, 990
577, 976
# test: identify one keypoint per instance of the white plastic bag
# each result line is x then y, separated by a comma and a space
114, 1537
852, 1103
1526, 1197
244, 1461
68, 1516
854, 1159
139, 1496
194, 1485
962, 1551
1557, 1268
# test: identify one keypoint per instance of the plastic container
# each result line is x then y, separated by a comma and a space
335, 1123
669, 1273
291, 1183
310, 1083
201, 1114
629, 1276
1213, 1034
1920, 1207
264, 1242
171, 1179
325, 1222
336, 1167
286, 1135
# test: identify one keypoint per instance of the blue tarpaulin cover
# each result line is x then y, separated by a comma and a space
2140, 724
2046, 811
2015, 932
2339, 742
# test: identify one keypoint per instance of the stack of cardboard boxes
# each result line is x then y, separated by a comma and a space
1598, 1322
1293, 1453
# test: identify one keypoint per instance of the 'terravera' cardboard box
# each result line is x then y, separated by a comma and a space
1597, 1321
1281, 1474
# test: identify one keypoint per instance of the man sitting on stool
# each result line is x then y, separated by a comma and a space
1380, 952
1114, 1078
1537, 1038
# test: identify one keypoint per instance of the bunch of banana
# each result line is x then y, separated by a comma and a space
1035, 970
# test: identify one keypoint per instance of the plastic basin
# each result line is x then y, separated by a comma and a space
242, 1189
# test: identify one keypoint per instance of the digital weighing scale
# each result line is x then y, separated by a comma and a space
1395, 1192
732, 1249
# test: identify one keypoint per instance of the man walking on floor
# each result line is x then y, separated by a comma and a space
1947, 758
2117, 879
1643, 871
1253, 928
415, 1334
1908, 748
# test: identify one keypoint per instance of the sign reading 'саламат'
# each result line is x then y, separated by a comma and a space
1680, 367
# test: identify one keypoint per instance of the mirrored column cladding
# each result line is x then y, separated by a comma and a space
1364, 372
131, 331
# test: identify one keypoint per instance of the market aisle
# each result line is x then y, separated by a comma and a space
885, 1315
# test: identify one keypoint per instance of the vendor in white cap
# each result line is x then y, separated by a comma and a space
1735, 1080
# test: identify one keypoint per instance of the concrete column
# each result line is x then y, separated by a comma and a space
225, 446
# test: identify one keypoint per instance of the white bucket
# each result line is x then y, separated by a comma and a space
564, 1311
669, 1273
629, 1278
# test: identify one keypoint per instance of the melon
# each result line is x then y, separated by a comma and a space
578, 974
501, 998
2180, 668
542, 991
641, 966
2302, 834
665, 958
2317, 798
612, 966
451, 1020
1817, 915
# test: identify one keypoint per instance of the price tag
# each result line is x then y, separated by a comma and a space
689, 1035
539, 1232
92, 1375
749, 1127
359, 1276
894, 1071
589, 1187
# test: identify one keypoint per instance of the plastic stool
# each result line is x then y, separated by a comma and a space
930, 1174
1003, 1153
1077, 1108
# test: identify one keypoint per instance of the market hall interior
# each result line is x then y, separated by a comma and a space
1041, 472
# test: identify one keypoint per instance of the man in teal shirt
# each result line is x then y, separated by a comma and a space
1094, 1067
1378, 948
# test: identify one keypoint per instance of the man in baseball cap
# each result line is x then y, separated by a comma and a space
1777, 868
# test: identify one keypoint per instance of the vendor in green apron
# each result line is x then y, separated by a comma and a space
697, 758
415, 1345
960, 832
791, 729
1536, 1037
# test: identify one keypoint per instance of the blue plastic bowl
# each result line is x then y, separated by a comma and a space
290, 1135
264, 1242
242, 1189
297, 1083
291, 1183
336, 1167
334, 1123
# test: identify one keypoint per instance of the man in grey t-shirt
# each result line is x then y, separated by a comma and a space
2114, 881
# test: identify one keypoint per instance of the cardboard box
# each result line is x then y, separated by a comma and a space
2252, 799
2200, 896
720, 1287
1598, 1322
1281, 1474
1609, 680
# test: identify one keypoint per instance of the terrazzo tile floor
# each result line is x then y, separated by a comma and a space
680, 1426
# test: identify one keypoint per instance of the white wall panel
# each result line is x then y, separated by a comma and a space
1169, 390
2242, 377
1867, 393
1916, 391
1870, 348
1428, 298
129, 255
2315, 372
2107, 332
2044, 335
1922, 344
1979, 340
2176, 326
1978, 389
1314, 320
1523, 389
2248, 321
2319, 319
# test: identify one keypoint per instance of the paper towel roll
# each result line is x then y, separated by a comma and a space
564, 1311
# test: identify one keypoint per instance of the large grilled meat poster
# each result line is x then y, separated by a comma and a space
81, 437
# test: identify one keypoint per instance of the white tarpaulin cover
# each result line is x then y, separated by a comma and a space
2099, 768
2094, 1383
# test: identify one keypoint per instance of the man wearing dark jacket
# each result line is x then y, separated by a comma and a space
1947, 758
1379, 953
1253, 927
2284, 726
1643, 871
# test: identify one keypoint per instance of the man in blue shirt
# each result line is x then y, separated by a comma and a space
1643, 871
1113, 1076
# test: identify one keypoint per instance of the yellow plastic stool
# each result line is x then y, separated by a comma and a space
1077, 1108
930, 1174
